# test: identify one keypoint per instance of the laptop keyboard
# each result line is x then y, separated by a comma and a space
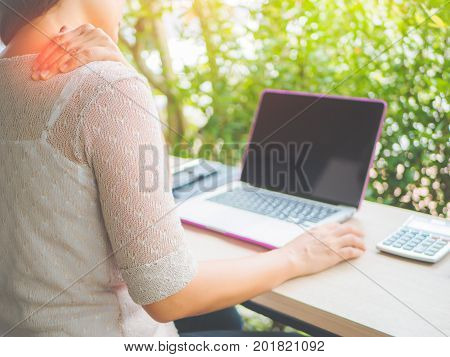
282, 208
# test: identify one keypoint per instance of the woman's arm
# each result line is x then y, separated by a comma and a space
223, 283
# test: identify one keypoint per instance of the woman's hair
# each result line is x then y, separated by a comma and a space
14, 14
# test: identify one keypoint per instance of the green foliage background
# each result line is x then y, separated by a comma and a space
392, 49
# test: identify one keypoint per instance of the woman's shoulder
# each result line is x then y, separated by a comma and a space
96, 95
106, 77
109, 70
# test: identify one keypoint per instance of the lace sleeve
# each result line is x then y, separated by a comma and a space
120, 136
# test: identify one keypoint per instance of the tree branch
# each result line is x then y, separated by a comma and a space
136, 50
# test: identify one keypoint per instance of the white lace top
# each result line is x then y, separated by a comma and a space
79, 209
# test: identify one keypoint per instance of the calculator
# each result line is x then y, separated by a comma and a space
420, 238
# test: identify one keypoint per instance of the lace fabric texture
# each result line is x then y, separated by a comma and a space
73, 186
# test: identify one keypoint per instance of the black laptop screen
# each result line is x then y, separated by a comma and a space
313, 147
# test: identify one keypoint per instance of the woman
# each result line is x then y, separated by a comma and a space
84, 252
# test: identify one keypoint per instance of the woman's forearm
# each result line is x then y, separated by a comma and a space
222, 283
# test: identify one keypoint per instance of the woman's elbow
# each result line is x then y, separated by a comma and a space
165, 311
185, 303
162, 318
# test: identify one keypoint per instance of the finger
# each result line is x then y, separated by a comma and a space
350, 240
73, 60
57, 65
40, 71
51, 47
88, 38
78, 32
65, 49
61, 65
68, 49
73, 63
61, 42
349, 253
348, 229
48, 50
46, 67
52, 53
79, 58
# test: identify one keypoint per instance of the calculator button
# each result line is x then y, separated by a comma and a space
420, 248
397, 245
429, 253
432, 250
388, 242
408, 247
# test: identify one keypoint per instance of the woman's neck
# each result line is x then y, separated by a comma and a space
36, 35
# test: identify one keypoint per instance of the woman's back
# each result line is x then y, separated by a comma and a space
73, 220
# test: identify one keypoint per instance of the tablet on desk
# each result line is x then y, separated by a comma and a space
421, 238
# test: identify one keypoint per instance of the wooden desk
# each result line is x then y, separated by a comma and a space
362, 299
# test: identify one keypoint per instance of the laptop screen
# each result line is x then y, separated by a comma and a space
313, 147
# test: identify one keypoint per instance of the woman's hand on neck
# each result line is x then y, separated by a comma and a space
36, 35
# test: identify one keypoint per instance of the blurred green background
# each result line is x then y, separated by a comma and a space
209, 60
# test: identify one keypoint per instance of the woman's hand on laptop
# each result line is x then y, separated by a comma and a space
323, 247
72, 49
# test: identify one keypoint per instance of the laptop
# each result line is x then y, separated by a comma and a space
306, 164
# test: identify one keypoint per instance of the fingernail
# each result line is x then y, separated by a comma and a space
35, 76
45, 74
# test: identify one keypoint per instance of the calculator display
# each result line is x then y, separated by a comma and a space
433, 226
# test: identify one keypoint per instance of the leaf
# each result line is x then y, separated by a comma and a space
438, 22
